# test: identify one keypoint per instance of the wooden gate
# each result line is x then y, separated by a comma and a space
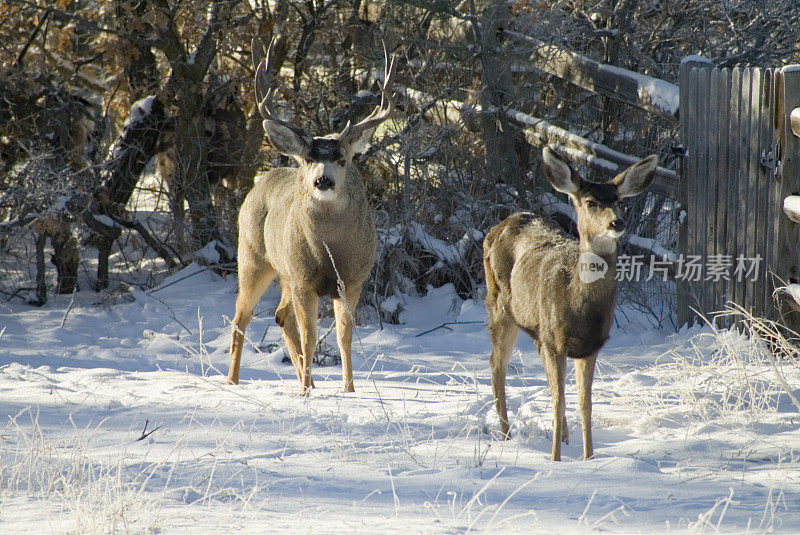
741, 161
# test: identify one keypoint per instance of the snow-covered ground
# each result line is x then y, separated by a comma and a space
692, 430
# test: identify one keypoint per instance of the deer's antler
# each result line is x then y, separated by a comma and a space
380, 113
265, 91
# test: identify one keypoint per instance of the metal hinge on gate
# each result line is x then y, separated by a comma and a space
770, 159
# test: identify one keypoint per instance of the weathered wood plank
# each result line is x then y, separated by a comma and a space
744, 218
766, 186
713, 299
774, 265
734, 289
704, 189
774, 202
755, 224
766, 183
682, 300
722, 99
695, 200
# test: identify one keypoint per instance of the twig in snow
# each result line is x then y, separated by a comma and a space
206, 268
69, 307
145, 432
445, 326
171, 312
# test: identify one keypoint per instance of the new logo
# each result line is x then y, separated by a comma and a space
591, 267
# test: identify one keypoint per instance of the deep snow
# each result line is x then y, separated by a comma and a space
691, 431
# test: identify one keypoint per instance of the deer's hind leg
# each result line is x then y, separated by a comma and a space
503, 333
255, 275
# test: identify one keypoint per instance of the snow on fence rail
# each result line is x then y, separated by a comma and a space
795, 121
650, 94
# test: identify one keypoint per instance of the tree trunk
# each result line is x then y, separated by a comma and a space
41, 271
500, 137
65, 257
192, 171
133, 150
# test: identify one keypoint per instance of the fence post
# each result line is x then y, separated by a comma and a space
787, 266
688, 179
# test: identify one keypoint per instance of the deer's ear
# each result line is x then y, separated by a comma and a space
287, 140
637, 177
559, 173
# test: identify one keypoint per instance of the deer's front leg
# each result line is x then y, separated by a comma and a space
584, 373
305, 306
345, 310
556, 366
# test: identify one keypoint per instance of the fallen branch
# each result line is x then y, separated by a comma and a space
446, 325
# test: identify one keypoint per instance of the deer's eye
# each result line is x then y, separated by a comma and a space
591, 204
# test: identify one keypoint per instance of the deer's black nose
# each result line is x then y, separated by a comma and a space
324, 183
617, 225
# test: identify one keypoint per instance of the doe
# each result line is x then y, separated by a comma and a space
311, 227
560, 291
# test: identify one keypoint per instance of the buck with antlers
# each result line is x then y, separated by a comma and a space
560, 291
311, 227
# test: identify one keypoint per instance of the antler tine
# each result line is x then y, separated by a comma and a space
382, 112
265, 91
262, 62
263, 81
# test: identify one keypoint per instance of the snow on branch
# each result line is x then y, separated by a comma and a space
443, 252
